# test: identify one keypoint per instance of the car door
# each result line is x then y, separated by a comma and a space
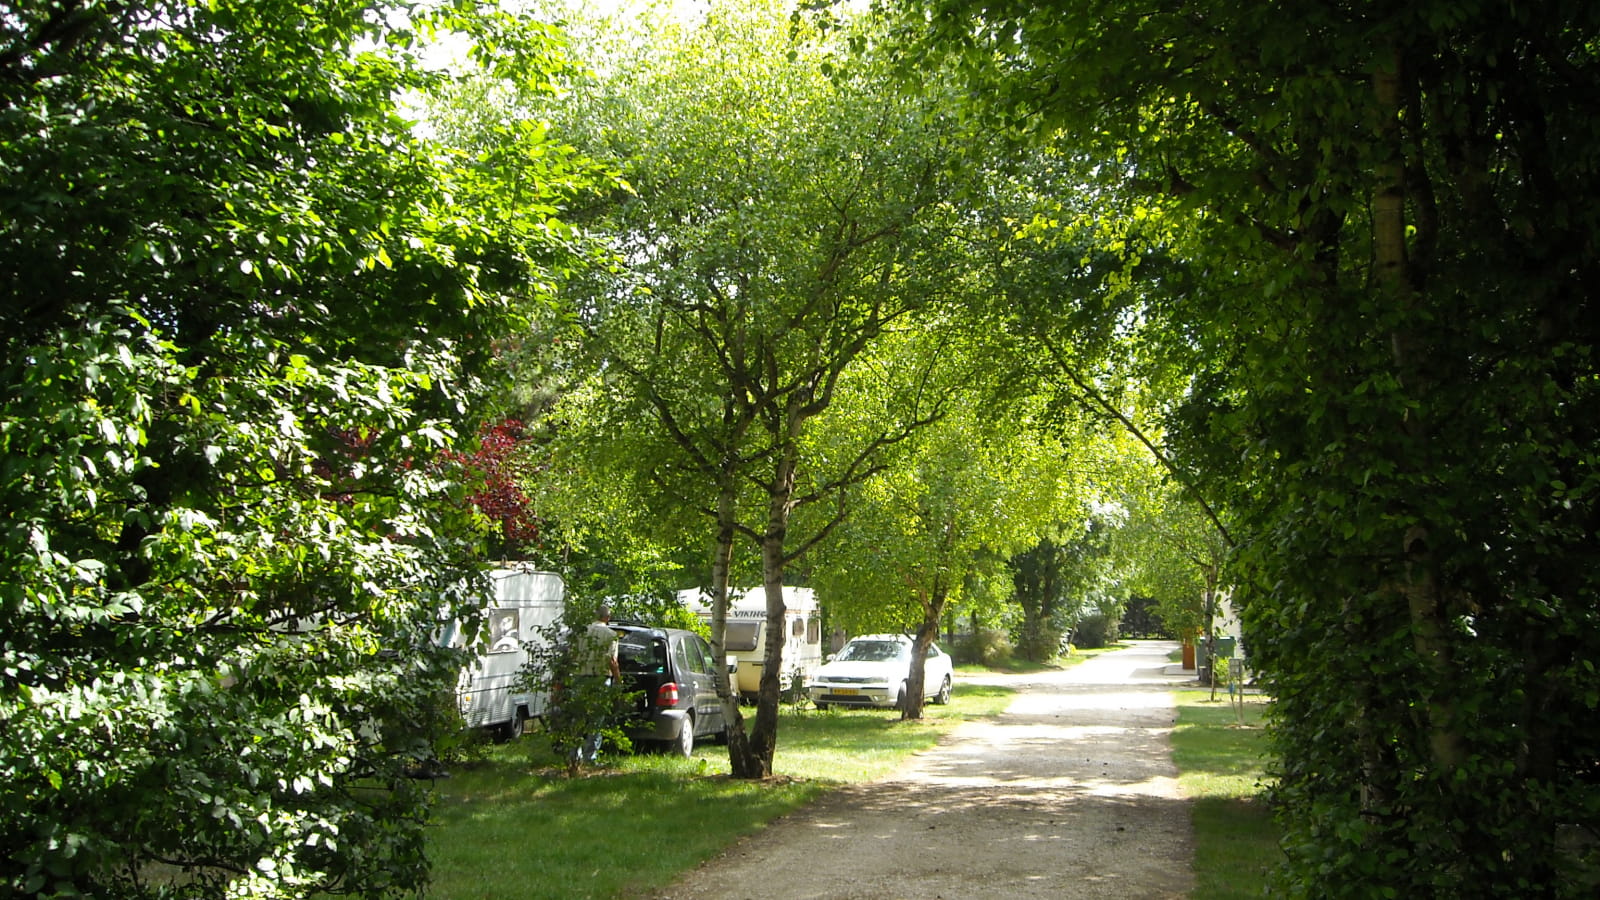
936, 667
707, 709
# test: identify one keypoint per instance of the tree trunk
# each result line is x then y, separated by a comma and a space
721, 566
763, 738
769, 696
1418, 582
927, 630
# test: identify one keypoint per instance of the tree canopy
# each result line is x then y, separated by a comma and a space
1331, 263
244, 310
951, 505
786, 207
1381, 226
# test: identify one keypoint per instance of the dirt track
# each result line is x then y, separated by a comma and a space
1070, 793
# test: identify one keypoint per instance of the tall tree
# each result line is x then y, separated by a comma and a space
1385, 220
949, 508
1067, 580
1170, 550
786, 207
243, 309
1052, 583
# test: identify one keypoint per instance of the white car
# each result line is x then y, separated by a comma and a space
873, 669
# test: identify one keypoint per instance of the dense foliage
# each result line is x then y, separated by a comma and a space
1384, 223
1055, 584
497, 467
787, 208
931, 532
1171, 551
242, 310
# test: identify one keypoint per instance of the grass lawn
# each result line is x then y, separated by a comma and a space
512, 826
1221, 763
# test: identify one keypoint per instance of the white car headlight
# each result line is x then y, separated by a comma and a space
875, 679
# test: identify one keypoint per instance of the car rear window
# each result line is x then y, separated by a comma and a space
642, 653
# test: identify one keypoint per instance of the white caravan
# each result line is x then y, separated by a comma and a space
523, 606
746, 635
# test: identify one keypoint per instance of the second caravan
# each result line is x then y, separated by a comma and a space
525, 602
746, 634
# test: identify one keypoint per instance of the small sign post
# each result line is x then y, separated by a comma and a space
1236, 687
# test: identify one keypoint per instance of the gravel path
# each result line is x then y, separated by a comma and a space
1070, 793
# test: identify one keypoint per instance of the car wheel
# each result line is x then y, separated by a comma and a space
822, 707
684, 745
901, 700
943, 696
513, 729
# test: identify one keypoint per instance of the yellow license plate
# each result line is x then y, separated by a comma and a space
846, 692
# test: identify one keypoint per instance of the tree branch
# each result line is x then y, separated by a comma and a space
1097, 402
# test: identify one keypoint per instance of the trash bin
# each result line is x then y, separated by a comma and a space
1220, 648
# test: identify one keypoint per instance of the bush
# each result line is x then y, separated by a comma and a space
243, 312
1095, 630
988, 647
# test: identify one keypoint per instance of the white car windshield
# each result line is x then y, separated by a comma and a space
872, 651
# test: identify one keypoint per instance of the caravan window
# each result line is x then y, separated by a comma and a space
814, 630
740, 637
505, 632
798, 629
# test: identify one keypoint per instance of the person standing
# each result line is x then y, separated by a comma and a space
597, 666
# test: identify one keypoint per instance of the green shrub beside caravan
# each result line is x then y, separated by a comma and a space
524, 605
746, 634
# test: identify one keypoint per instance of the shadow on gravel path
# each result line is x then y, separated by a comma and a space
1070, 793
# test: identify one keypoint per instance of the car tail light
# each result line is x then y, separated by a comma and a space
667, 694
